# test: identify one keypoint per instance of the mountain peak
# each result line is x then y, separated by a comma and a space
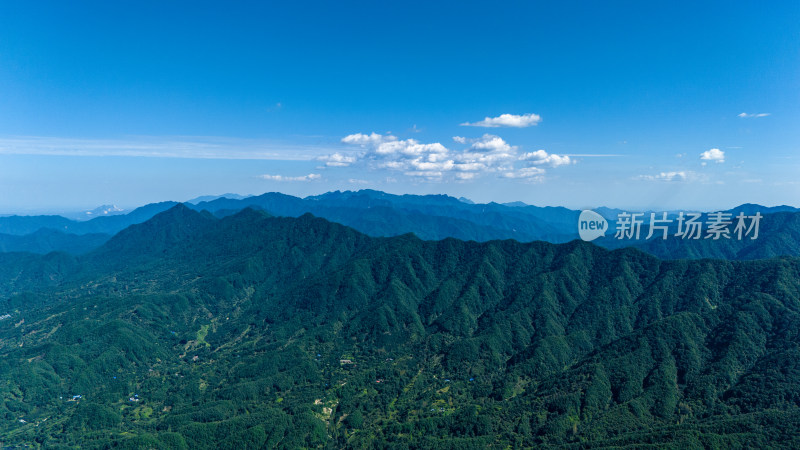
752, 208
249, 214
103, 210
466, 200
160, 232
211, 198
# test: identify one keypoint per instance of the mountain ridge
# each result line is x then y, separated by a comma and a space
491, 343
429, 217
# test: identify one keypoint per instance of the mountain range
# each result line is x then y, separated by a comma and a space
254, 331
429, 217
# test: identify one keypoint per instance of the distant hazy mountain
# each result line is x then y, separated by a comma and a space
208, 198
428, 216
609, 214
46, 240
107, 224
21, 225
779, 235
105, 210
466, 200
434, 217
100, 211
252, 331
437, 216
751, 208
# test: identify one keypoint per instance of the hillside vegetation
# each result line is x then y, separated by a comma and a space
252, 331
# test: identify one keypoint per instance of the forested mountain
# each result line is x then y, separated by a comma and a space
47, 240
253, 331
373, 212
778, 235
429, 217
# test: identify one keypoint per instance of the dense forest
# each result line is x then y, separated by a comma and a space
429, 217
253, 331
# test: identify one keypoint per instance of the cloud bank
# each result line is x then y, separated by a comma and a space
488, 154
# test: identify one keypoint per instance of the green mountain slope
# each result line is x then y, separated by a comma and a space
254, 331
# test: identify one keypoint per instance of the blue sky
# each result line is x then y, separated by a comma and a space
626, 104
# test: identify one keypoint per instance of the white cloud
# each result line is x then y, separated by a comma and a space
409, 147
541, 157
469, 166
397, 165
466, 175
489, 151
713, 154
426, 165
357, 181
492, 143
424, 173
506, 120
488, 154
595, 155
367, 139
526, 172
666, 176
337, 160
750, 116
309, 177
